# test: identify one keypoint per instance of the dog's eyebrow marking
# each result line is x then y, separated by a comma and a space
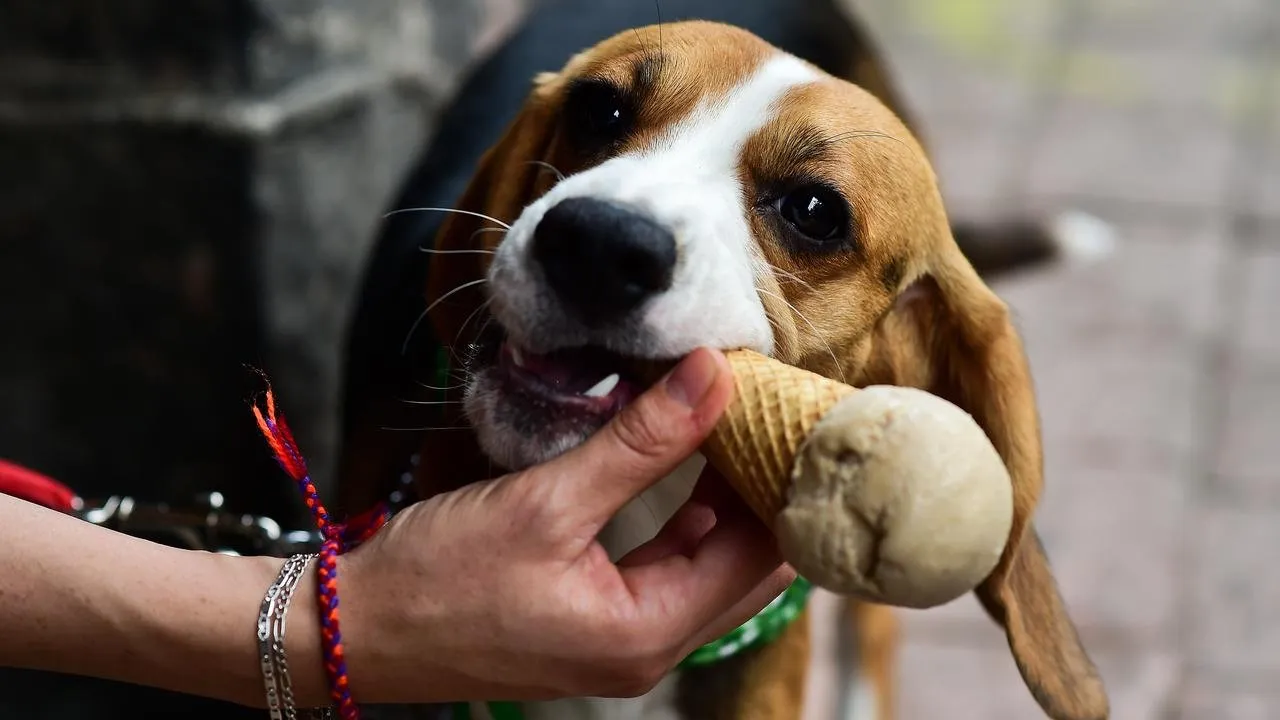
808, 144
645, 74
790, 153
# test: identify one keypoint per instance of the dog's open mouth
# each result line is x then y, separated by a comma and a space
528, 407
589, 380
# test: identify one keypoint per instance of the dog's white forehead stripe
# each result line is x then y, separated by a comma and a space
693, 185
716, 131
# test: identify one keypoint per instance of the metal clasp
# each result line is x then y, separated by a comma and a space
206, 526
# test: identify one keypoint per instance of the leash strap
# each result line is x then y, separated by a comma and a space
27, 484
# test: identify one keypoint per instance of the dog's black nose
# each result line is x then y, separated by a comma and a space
603, 259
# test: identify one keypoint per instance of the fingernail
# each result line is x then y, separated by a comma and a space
692, 378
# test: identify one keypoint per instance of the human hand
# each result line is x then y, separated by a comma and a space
500, 590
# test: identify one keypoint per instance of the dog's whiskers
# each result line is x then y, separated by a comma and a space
657, 6
857, 134
461, 379
468, 320
425, 386
463, 328
790, 276
433, 251
548, 166
812, 327
448, 210
404, 349
482, 231
776, 325
407, 401
451, 374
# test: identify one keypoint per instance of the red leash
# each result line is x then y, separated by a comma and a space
27, 484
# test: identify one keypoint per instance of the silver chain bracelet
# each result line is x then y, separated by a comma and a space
271, 651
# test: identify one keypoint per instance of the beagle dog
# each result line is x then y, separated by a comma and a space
748, 183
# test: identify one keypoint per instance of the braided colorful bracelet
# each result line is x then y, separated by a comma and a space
338, 538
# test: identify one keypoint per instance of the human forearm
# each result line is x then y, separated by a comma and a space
81, 599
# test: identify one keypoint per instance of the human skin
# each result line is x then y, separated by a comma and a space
498, 591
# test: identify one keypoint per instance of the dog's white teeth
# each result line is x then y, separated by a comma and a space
516, 356
604, 387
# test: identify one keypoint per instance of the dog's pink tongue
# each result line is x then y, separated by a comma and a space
556, 371
589, 374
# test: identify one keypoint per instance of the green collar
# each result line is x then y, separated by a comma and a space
763, 628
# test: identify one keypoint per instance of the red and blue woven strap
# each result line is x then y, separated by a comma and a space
338, 538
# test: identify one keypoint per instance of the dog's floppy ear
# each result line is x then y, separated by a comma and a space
508, 178
972, 356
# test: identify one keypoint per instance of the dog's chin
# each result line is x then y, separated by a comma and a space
528, 408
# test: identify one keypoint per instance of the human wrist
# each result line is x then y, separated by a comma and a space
198, 638
397, 644
288, 637
211, 627
368, 637
369, 634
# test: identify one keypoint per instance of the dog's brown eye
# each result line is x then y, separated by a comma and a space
597, 115
817, 213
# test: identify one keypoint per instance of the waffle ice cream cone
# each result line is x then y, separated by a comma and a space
890, 494
774, 409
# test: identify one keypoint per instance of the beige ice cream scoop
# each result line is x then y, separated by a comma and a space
889, 494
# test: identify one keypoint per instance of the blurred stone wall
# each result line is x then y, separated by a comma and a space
189, 187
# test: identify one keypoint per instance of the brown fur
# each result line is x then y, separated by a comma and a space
908, 309
764, 683
876, 633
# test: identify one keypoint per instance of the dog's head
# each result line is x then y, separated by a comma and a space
690, 185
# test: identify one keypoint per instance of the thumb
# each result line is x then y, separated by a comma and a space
641, 445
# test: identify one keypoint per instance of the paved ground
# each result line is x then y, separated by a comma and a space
1159, 370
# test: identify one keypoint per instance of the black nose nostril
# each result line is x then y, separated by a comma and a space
603, 259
